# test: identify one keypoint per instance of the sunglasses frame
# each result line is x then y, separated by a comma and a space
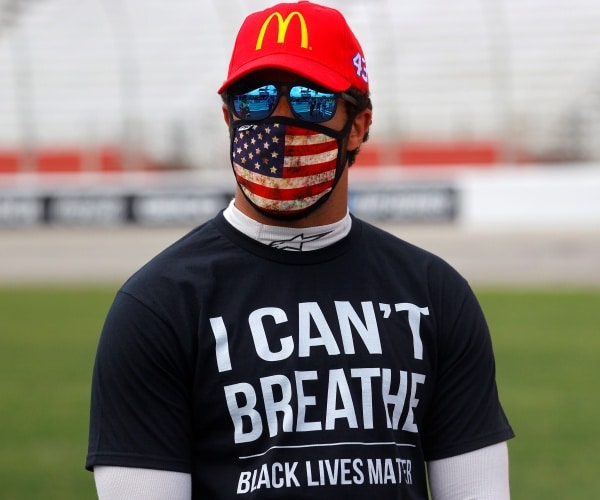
283, 89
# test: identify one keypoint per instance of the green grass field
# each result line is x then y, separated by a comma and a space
547, 347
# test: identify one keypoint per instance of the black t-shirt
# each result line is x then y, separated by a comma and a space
269, 373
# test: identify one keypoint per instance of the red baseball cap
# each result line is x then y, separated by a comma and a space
311, 40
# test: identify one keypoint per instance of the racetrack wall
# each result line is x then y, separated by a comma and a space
503, 197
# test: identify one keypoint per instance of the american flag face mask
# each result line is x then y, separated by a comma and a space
285, 167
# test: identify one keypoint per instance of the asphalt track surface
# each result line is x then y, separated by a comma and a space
62, 255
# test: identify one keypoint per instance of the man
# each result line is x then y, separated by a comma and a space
286, 349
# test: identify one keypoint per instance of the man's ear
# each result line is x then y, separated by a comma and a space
360, 126
226, 115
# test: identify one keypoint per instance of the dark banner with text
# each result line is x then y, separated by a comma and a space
410, 203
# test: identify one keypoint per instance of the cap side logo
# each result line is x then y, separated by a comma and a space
282, 26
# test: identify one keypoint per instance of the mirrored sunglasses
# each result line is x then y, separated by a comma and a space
307, 103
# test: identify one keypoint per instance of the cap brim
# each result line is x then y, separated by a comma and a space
309, 69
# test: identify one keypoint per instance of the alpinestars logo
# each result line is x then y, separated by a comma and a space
297, 242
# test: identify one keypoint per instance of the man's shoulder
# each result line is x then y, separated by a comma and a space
378, 235
392, 250
198, 248
200, 242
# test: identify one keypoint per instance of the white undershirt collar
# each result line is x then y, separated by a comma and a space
288, 238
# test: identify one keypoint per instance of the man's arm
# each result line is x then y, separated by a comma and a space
481, 475
128, 483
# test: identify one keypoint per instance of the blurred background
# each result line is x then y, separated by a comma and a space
487, 112
104, 85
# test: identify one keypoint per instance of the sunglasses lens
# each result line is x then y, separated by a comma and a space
308, 104
255, 104
312, 105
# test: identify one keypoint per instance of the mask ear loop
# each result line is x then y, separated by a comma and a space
345, 133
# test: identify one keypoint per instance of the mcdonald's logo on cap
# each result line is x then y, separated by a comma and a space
282, 26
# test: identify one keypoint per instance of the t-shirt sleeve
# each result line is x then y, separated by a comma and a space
466, 413
140, 408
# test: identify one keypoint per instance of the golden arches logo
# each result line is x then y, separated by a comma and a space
282, 26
